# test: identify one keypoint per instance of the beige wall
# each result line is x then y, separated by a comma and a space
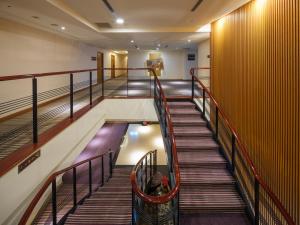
204, 61
24, 49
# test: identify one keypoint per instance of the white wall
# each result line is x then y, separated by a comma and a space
17, 190
190, 64
24, 49
204, 61
174, 63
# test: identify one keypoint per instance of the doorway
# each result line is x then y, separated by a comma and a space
113, 66
100, 64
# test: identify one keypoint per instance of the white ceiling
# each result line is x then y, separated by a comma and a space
167, 22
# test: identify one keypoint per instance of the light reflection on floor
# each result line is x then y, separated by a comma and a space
138, 141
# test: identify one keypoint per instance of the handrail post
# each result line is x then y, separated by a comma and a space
155, 163
203, 114
34, 110
151, 167
74, 189
54, 206
102, 83
146, 170
233, 153
132, 206
217, 122
90, 178
91, 90
102, 172
256, 206
71, 95
110, 164
193, 86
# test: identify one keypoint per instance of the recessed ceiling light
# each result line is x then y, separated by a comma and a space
158, 45
63, 28
189, 40
119, 20
138, 48
132, 41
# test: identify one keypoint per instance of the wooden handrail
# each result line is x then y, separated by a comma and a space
45, 186
31, 75
245, 153
172, 194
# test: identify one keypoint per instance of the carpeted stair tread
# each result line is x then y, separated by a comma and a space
110, 204
184, 111
201, 159
195, 131
188, 121
195, 143
215, 199
205, 176
181, 104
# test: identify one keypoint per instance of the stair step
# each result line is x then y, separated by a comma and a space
192, 132
205, 176
196, 144
210, 199
181, 105
203, 159
188, 121
179, 112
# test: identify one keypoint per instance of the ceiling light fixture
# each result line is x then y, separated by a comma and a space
157, 49
120, 20
158, 45
132, 41
189, 40
63, 28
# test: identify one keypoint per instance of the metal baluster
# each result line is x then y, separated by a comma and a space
90, 178
110, 164
151, 166
256, 206
91, 89
233, 153
54, 206
217, 122
34, 110
71, 95
132, 207
193, 86
146, 170
203, 103
102, 172
74, 188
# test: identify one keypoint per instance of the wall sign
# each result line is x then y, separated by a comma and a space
28, 161
191, 57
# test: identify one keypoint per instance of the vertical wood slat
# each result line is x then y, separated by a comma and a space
255, 77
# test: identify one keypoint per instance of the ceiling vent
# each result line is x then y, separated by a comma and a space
196, 5
103, 25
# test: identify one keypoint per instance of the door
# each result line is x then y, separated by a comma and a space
100, 65
113, 66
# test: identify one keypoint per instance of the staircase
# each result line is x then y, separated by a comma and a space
208, 190
111, 204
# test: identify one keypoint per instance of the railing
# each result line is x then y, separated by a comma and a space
263, 204
46, 190
53, 98
164, 208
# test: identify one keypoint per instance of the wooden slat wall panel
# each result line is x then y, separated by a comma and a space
255, 77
